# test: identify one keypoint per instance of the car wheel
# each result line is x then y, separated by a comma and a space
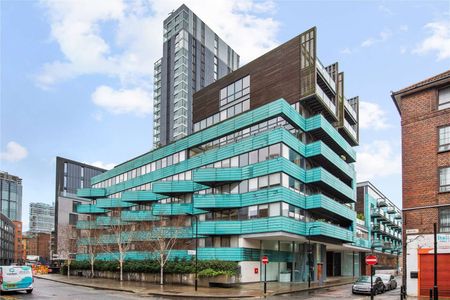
29, 291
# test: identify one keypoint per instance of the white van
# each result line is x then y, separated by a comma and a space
16, 278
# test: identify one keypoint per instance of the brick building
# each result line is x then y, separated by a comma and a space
38, 244
425, 118
19, 253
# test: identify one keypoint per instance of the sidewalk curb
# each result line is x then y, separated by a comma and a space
194, 295
85, 285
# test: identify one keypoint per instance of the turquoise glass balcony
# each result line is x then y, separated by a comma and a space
112, 203
320, 127
377, 243
326, 205
359, 242
141, 196
139, 215
108, 221
330, 183
84, 224
329, 159
398, 216
91, 193
332, 231
90, 209
215, 176
175, 209
173, 188
275, 194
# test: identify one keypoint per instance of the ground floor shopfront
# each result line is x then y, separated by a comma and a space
289, 262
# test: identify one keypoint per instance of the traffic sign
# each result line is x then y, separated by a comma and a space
265, 260
371, 260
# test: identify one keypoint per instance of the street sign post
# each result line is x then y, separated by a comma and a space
265, 261
371, 260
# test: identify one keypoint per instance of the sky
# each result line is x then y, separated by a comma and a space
77, 76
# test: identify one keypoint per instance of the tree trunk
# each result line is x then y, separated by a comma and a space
92, 269
161, 266
121, 269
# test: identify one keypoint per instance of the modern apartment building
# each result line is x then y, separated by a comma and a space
42, 217
11, 196
268, 169
425, 117
380, 221
6, 240
70, 176
193, 57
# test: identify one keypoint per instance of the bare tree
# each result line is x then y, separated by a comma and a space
67, 240
92, 237
119, 239
162, 238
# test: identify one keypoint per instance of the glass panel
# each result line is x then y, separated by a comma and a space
253, 184
274, 209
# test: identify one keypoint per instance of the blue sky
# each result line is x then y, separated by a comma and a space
76, 76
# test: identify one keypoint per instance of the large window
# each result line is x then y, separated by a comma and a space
444, 219
444, 98
444, 179
444, 138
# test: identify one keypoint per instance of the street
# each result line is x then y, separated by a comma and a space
46, 289
338, 292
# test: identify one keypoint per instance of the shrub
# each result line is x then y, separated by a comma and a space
213, 273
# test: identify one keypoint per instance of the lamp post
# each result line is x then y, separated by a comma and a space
309, 254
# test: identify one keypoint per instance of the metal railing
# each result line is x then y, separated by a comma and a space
325, 99
349, 108
350, 128
326, 75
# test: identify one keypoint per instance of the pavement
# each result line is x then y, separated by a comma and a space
251, 290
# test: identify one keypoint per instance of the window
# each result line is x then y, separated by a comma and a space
74, 205
225, 241
444, 138
444, 98
444, 179
73, 219
264, 211
444, 219
252, 212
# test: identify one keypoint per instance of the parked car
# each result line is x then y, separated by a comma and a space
389, 281
362, 285
16, 278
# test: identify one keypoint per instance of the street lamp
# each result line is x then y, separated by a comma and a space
309, 254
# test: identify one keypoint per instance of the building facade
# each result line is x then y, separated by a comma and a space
42, 217
37, 244
70, 176
11, 196
193, 57
380, 221
19, 252
268, 170
7, 240
425, 117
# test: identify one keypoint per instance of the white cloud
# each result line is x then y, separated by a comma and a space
382, 37
377, 159
347, 50
14, 152
372, 116
438, 41
102, 165
122, 39
386, 10
136, 101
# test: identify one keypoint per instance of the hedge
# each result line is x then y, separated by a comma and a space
205, 267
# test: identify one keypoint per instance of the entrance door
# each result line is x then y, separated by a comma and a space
426, 274
337, 264
330, 262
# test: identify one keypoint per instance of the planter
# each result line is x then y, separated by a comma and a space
184, 279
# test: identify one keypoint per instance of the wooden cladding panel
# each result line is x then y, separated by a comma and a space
273, 76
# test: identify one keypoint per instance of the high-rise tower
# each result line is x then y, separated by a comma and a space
193, 57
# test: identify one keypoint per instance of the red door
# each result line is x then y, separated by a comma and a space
426, 274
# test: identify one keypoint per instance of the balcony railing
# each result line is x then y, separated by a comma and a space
326, 100
350, 128
326, 75
350, 108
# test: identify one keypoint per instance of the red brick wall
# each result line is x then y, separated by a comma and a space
421, 160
